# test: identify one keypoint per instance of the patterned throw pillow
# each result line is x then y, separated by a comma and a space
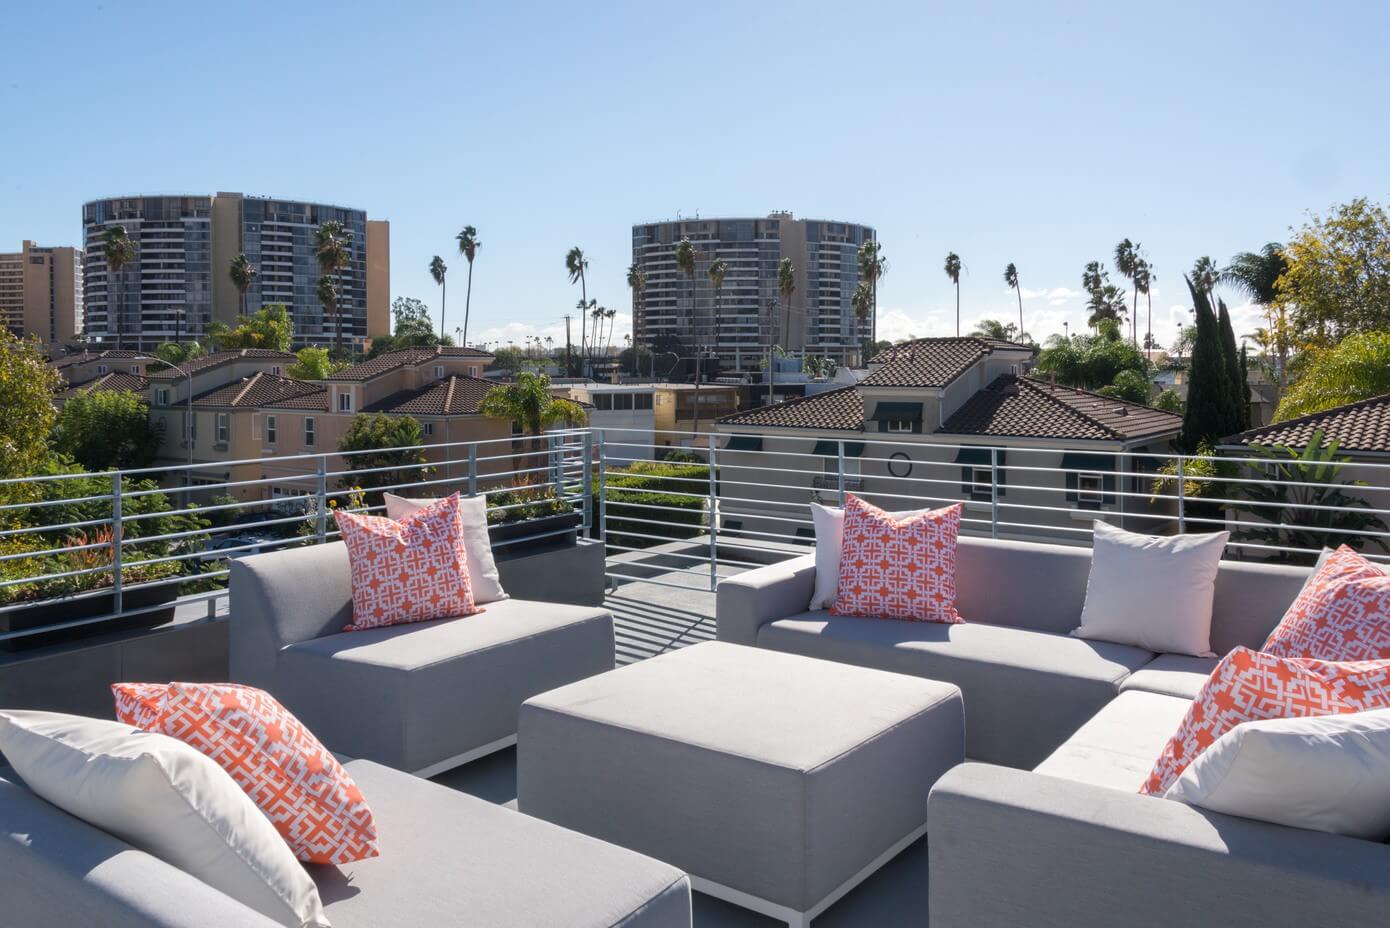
1341, 614
292, 778
898, 569
139, 704
1251, 685
413, 570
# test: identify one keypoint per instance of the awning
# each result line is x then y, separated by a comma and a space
898, 412
979, 457
1078, 460
745, 443
853, 449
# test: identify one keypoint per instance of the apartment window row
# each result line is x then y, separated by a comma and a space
622, 401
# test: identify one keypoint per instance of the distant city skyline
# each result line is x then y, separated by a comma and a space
1006, 133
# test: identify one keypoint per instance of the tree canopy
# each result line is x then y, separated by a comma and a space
1338, 275
382, 436
102, 429
529, 403
314, 364
27, 385
1211, 413
1091, 361
1355, 369
412, 328
268, 327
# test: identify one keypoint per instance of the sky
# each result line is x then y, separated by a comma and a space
1035, 133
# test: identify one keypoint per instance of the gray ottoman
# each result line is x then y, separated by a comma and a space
778, 782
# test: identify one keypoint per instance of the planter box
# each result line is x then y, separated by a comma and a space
506, 533
51, 612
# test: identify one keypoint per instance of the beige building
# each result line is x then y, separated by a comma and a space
641, 418
88, 371
945, 419
41, 293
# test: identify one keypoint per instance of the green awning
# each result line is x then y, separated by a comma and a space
745, 443
1078, 460
978, 457
898, 412
853, 449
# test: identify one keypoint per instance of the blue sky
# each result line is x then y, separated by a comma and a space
1039, 134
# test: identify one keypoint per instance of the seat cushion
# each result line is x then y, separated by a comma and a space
1025, 691
412, 696
1171, 675
449, 858
1117, 748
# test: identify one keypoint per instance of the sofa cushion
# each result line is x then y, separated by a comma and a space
477, 544
412, 696
1171, 675
904, 568
449, 858
1025, 691
1341, 614
1117, 747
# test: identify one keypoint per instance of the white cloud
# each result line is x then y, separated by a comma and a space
516, 333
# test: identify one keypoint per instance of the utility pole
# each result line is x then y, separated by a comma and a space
567, 344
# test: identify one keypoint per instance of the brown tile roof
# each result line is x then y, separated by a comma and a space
1021, 407
931, 362
219, 358
1362, 426
838, 410
116, 380
260, 389
405, 357
452, 396
111, 354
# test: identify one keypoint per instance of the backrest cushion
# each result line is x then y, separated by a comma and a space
901, 569
1341, 614
829, 523
477, 544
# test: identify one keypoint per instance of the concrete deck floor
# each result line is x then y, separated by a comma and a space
649, 620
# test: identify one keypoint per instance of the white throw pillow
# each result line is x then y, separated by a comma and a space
829, 522
1152, 591
477, 547
166, 798
1330, 773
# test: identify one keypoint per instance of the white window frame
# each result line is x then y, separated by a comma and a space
427, 429
345, 401
161, 396
854, 468
102, 368
223, 430
310, 432
272, 430
981, 482
902, 426
1086, 495
439, 372
135, 369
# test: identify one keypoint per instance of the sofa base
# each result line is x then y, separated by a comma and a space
792, 917
467, 757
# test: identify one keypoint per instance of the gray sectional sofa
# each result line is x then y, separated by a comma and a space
1050, 830
422, 697
447, 858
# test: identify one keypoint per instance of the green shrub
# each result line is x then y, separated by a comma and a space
663, 484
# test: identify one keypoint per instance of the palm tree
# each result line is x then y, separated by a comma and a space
1126, 260
243, 274
1011, 278
437, 270
468, 247
862, 301
596, 313
872, 266
1205, 276
1143, 283
953, 269
786, 285
1256, 274
576, 264
119, 250
609, 315
638, 282
327, 292
685, 263
993, 328
718, 269
528, 403
333, 250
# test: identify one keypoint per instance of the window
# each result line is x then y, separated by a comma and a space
344, 402
272, 430
102, 368
135, 369
161, 396
981, 480
275, 369
428, 429
309, 435
642, 401
222, 428
622, 401
439, 372
603, 401
897, 425
853, 467
1090, 488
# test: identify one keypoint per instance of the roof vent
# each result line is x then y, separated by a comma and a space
1121, 410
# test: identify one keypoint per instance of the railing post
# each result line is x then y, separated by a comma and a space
840, 471
586, 495
602, 488
322, 491
473, 469
994, 492
1182, 498
117, 537
713, 518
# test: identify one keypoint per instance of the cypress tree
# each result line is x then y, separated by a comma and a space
1245, 384
1211, 412
1232, 356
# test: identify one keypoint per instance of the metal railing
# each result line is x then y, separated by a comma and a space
685, 522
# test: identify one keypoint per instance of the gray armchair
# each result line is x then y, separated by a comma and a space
423, 697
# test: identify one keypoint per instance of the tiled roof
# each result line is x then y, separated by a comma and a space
406, 357
260, 389
116, 380
1362, 426
838, 410
452, 396
931, 362
82, 357
1021, 407
219, 358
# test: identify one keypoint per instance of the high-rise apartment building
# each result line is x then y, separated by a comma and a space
749, 313
179, 281
41, 293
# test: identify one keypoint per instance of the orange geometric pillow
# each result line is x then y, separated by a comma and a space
414, 570
1248, 686
898, 569
307, 795
139, 704
1342, 613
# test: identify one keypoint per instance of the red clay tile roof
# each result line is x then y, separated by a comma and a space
452, 396
837, 410
1362, 426
1021, 407
219, 358
931, 362
260, 389
110, 354
116, 380
405, 357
